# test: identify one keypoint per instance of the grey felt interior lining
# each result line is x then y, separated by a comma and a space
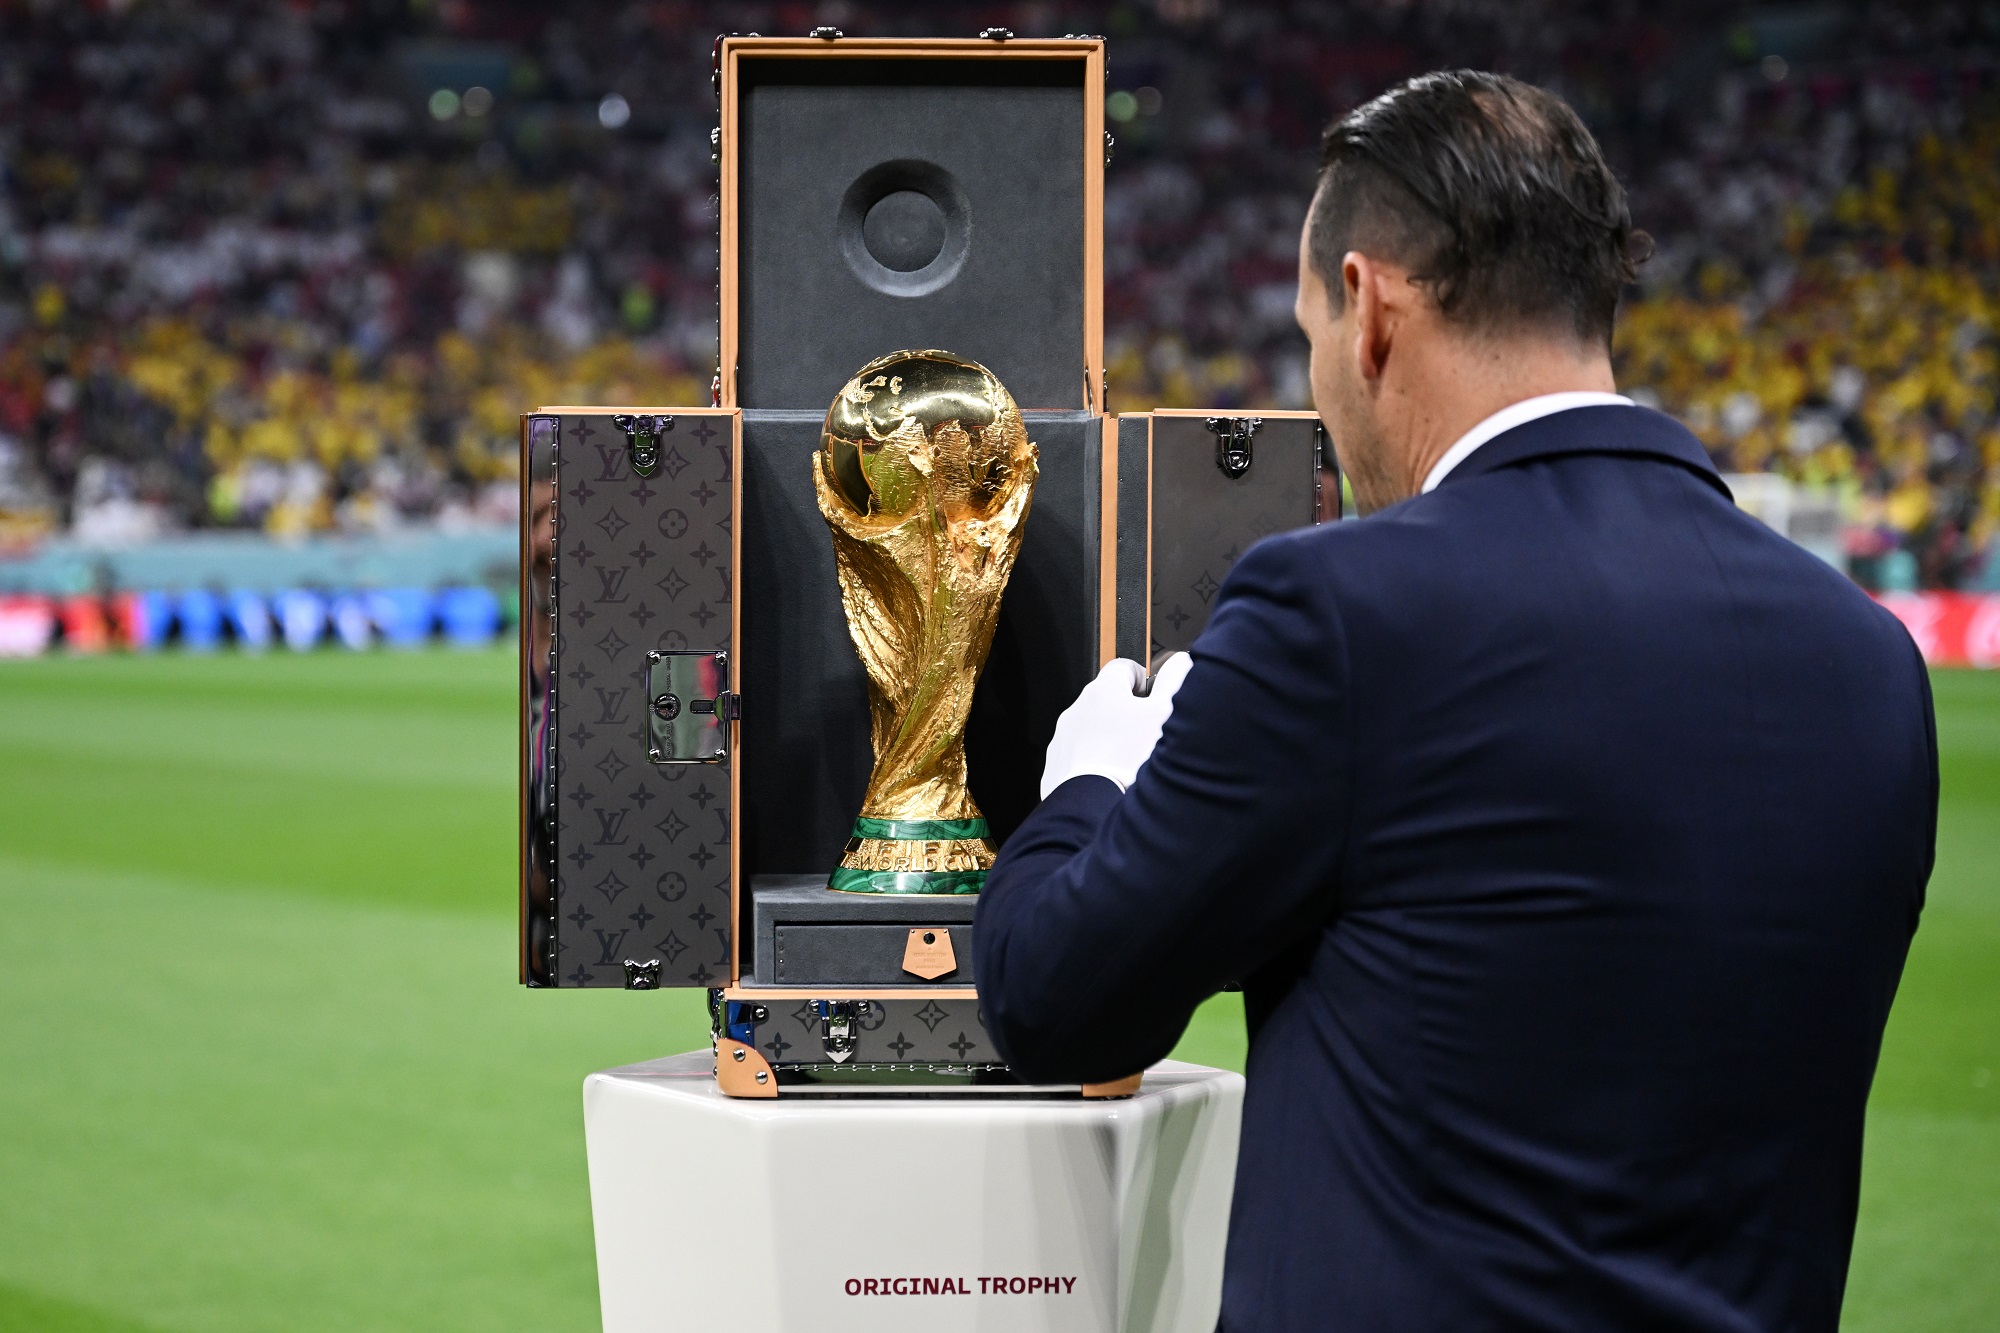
1005, 138
805, 744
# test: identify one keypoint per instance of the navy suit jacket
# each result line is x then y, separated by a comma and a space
1567, 829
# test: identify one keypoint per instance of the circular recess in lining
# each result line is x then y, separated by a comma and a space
904, 227
904, 231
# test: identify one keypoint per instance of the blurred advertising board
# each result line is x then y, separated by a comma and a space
1951, 628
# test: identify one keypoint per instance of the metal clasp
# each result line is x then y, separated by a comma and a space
836, 1026
1233, 453
689, 706
642, 976
642, 441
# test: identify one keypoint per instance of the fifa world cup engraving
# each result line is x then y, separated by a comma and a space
924, 475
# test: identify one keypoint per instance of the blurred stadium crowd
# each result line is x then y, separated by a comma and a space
297, 267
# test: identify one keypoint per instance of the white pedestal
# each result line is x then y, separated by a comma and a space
878, 1214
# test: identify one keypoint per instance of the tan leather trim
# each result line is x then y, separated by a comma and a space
929, 953
1122, 1087
741, 1072
741, 992
1274, 413
736, 526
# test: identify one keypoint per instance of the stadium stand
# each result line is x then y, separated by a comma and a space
295, 268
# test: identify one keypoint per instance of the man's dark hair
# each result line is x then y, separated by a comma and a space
1491, 192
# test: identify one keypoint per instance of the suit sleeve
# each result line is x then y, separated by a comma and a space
1108, 918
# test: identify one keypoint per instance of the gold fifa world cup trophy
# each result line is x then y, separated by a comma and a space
924, 475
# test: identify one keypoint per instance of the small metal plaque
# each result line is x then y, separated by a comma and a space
688, 706
929, 954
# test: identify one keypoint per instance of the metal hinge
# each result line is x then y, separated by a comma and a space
836, 1026
1097, 392
642, 976
1319, 470
1232, 442
642, 441
1325, 464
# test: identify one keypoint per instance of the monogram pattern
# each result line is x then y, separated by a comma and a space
1203, 520
642, 850
915, 1031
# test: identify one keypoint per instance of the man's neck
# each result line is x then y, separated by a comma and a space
1483, 376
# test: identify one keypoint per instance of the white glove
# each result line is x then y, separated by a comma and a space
1111, 729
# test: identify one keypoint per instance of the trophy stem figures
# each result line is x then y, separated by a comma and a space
924, 478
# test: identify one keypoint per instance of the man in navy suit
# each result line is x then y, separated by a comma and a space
1565, 827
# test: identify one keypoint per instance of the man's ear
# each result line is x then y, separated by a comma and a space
1374, 318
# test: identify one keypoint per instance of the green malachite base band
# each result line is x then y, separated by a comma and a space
919, 830
849, 880
846, 880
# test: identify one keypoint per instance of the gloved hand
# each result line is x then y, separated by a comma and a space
1111, 729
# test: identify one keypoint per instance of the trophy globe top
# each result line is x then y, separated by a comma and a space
921, 415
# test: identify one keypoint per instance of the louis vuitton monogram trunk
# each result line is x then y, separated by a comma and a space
695, 719
1195, 491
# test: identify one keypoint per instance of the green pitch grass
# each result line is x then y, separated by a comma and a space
263, 1064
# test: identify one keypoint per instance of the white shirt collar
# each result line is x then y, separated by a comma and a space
1519, 414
